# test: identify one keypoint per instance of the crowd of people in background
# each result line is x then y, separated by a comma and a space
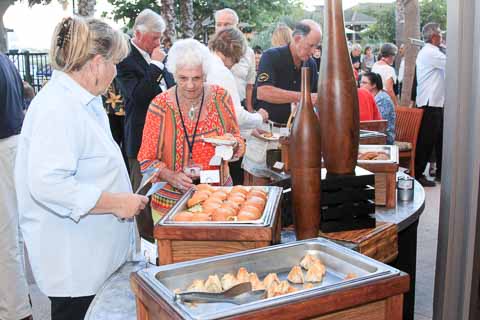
160, 96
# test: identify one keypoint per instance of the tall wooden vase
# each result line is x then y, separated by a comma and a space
306, 164
337, 96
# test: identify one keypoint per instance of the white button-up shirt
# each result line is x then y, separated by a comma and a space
220, 75
244, 72
431, 65
66, 157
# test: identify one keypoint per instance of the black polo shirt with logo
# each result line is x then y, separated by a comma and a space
277, 69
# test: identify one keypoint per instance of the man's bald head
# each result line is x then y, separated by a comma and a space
307, 35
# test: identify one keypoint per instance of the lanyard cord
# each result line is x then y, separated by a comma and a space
190, 146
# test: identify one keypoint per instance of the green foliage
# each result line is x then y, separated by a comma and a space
384, 29
258, 13
263, 38
433, 11
127, 11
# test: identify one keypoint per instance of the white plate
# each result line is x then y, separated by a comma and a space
274, 137
220, 142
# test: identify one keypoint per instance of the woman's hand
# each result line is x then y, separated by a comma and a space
178, 180
129, 205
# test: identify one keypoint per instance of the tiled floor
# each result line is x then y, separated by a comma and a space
426, 253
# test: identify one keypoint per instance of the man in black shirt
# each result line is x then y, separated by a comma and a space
14, 302
279, 73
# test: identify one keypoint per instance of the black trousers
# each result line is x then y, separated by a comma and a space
429, 136
236, 172
68, 308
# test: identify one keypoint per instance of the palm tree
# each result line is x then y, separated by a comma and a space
186, 9
86, 8
168, 13
3, 32
411, 30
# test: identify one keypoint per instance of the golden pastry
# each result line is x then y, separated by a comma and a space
255, 282
349, 276
197, 286
307, 261
315, 273
307, 285
272, 290
296, 275
242, 275
228, 281
270, 279
213, 284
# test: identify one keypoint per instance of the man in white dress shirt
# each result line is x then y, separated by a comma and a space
431, 64
244, 70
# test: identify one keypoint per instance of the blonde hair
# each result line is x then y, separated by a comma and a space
230, 42
76, 40
282, 35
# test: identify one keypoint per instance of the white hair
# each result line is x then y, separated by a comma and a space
229, 11
356, 46
188, 53
149, 21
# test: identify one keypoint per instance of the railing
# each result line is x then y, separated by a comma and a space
33, 67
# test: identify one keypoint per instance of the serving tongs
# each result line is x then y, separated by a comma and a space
240, 294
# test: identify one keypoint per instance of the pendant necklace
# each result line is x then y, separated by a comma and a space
191, 112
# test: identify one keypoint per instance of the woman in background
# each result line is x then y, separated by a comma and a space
281, 36
373, 83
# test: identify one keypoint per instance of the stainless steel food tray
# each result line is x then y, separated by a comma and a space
338, 260
274, 195
371, 134
391, 150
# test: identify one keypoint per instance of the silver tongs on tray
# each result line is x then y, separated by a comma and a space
240, 294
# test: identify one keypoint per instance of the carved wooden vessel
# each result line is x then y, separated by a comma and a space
337, 96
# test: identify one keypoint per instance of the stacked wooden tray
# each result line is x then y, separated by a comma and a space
374, 292
385, 173
184, 241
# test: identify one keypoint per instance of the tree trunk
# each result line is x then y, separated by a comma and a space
399, 29
400, 22
186, 9
3, 32
168, 13
86, 8
412, 30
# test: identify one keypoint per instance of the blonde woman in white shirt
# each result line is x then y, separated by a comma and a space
74, 194
384, 68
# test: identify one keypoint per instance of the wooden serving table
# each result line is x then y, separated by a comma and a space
377, 300
116, 300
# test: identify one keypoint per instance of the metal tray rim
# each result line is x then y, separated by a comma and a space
393, 153
384, 271
271, 207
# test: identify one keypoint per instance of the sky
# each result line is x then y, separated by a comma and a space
36, 34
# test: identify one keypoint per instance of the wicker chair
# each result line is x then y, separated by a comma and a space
407, 126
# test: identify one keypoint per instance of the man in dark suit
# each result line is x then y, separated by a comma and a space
141, 77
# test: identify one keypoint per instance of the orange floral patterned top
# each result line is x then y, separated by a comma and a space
164, 144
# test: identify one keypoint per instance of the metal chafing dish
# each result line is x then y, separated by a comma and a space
338, 260
274, 195
390, 150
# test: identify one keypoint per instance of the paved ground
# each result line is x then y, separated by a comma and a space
426, 253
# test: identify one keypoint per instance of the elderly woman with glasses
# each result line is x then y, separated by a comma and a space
74, 196
179, 118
